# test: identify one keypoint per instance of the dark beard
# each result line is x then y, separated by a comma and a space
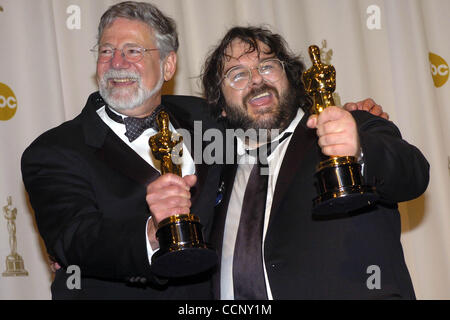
282, 116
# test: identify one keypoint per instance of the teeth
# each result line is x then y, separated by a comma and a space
261, 95
123, 80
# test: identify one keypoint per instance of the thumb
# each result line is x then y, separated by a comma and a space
312, 121
190, 180
331, 113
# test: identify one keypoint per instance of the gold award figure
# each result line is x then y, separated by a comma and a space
162, 145
338, 179
320, 82
14, 262
182, 251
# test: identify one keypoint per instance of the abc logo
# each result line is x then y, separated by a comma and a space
8, 102
439, 70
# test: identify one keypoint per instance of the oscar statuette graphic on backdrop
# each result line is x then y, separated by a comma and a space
14, 263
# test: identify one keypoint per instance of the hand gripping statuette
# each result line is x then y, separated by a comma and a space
339, 180
182, 250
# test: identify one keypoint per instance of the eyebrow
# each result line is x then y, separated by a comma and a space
125, 44
240, 65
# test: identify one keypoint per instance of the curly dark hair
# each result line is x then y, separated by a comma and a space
214, 64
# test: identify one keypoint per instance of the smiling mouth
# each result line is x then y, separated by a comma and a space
261, 99
122, 81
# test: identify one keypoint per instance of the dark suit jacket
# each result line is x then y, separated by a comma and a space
311, 258
88, 189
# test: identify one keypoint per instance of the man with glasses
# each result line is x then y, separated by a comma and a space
87, 179
271, 245
253, 81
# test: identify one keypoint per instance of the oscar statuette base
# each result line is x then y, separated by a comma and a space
340, 187
14, 266
182, 250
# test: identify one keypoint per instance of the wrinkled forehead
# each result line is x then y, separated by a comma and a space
123, 29
239, 50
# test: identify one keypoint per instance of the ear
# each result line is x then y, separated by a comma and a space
224, 114
170, 65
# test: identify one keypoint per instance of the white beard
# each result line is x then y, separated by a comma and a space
121, 98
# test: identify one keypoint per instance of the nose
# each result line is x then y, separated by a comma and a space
118, 60
256, 79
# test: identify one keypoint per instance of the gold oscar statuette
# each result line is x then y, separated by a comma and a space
338, 179
182, 250
14, 262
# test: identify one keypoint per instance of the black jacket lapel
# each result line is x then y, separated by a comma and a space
121, 157
302, 140
110, 148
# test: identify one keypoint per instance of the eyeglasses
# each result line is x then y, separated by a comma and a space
239, 77
130, 52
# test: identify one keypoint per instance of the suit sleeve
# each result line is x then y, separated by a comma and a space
73, 228
397, 169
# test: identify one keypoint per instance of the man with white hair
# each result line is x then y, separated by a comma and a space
87, 178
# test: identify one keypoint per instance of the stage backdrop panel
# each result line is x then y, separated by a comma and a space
396, 52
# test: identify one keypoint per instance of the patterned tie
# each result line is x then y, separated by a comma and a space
135, 126
248, 271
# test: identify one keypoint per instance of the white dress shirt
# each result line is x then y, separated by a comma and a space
275, 159
142, 148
